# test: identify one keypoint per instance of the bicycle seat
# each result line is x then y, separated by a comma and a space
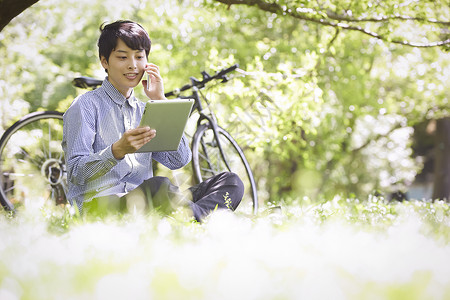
86, 82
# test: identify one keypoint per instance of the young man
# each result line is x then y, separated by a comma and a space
101, 135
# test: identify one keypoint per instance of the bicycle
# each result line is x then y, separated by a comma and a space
31, 148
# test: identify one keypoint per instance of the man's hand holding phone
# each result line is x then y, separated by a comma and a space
154, 84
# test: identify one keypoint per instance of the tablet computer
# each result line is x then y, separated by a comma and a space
168, 118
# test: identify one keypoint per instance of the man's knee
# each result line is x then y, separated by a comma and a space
160, 192
233, 197
155, 183
233, 179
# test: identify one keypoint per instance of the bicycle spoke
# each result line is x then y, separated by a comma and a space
65, 188
9, 189
208, 170
46, 151
18, 174
219, 161
206, 154
227, 162
31, 159
60, 157
52, 194
49, 140
212, 171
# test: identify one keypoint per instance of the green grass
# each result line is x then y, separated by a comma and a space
341, 249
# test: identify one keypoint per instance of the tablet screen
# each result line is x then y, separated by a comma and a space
168, 118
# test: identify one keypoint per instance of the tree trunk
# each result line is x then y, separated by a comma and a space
441, 188
11, 8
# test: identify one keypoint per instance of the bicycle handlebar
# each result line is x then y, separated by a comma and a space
206, 78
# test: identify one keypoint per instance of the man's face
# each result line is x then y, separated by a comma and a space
125, 67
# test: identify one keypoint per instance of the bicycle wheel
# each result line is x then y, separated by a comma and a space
207, 160
32, 169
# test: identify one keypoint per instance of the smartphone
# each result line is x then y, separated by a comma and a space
148, 81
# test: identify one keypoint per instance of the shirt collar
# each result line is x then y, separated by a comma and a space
117, 96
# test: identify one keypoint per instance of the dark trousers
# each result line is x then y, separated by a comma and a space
222, 191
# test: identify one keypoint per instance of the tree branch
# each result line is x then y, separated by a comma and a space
337, 17
308, 14
378, 137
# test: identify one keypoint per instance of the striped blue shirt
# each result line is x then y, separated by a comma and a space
93, 122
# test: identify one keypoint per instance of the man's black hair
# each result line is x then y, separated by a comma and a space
131, 33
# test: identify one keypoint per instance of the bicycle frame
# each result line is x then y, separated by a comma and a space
211, 121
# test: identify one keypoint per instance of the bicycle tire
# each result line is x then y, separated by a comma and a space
32, 167
207, 160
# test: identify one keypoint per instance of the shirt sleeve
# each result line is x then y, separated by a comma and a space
83, 165
175, 159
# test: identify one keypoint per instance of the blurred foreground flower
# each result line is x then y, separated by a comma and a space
341, 249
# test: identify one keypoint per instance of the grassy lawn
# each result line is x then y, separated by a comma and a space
342, 249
